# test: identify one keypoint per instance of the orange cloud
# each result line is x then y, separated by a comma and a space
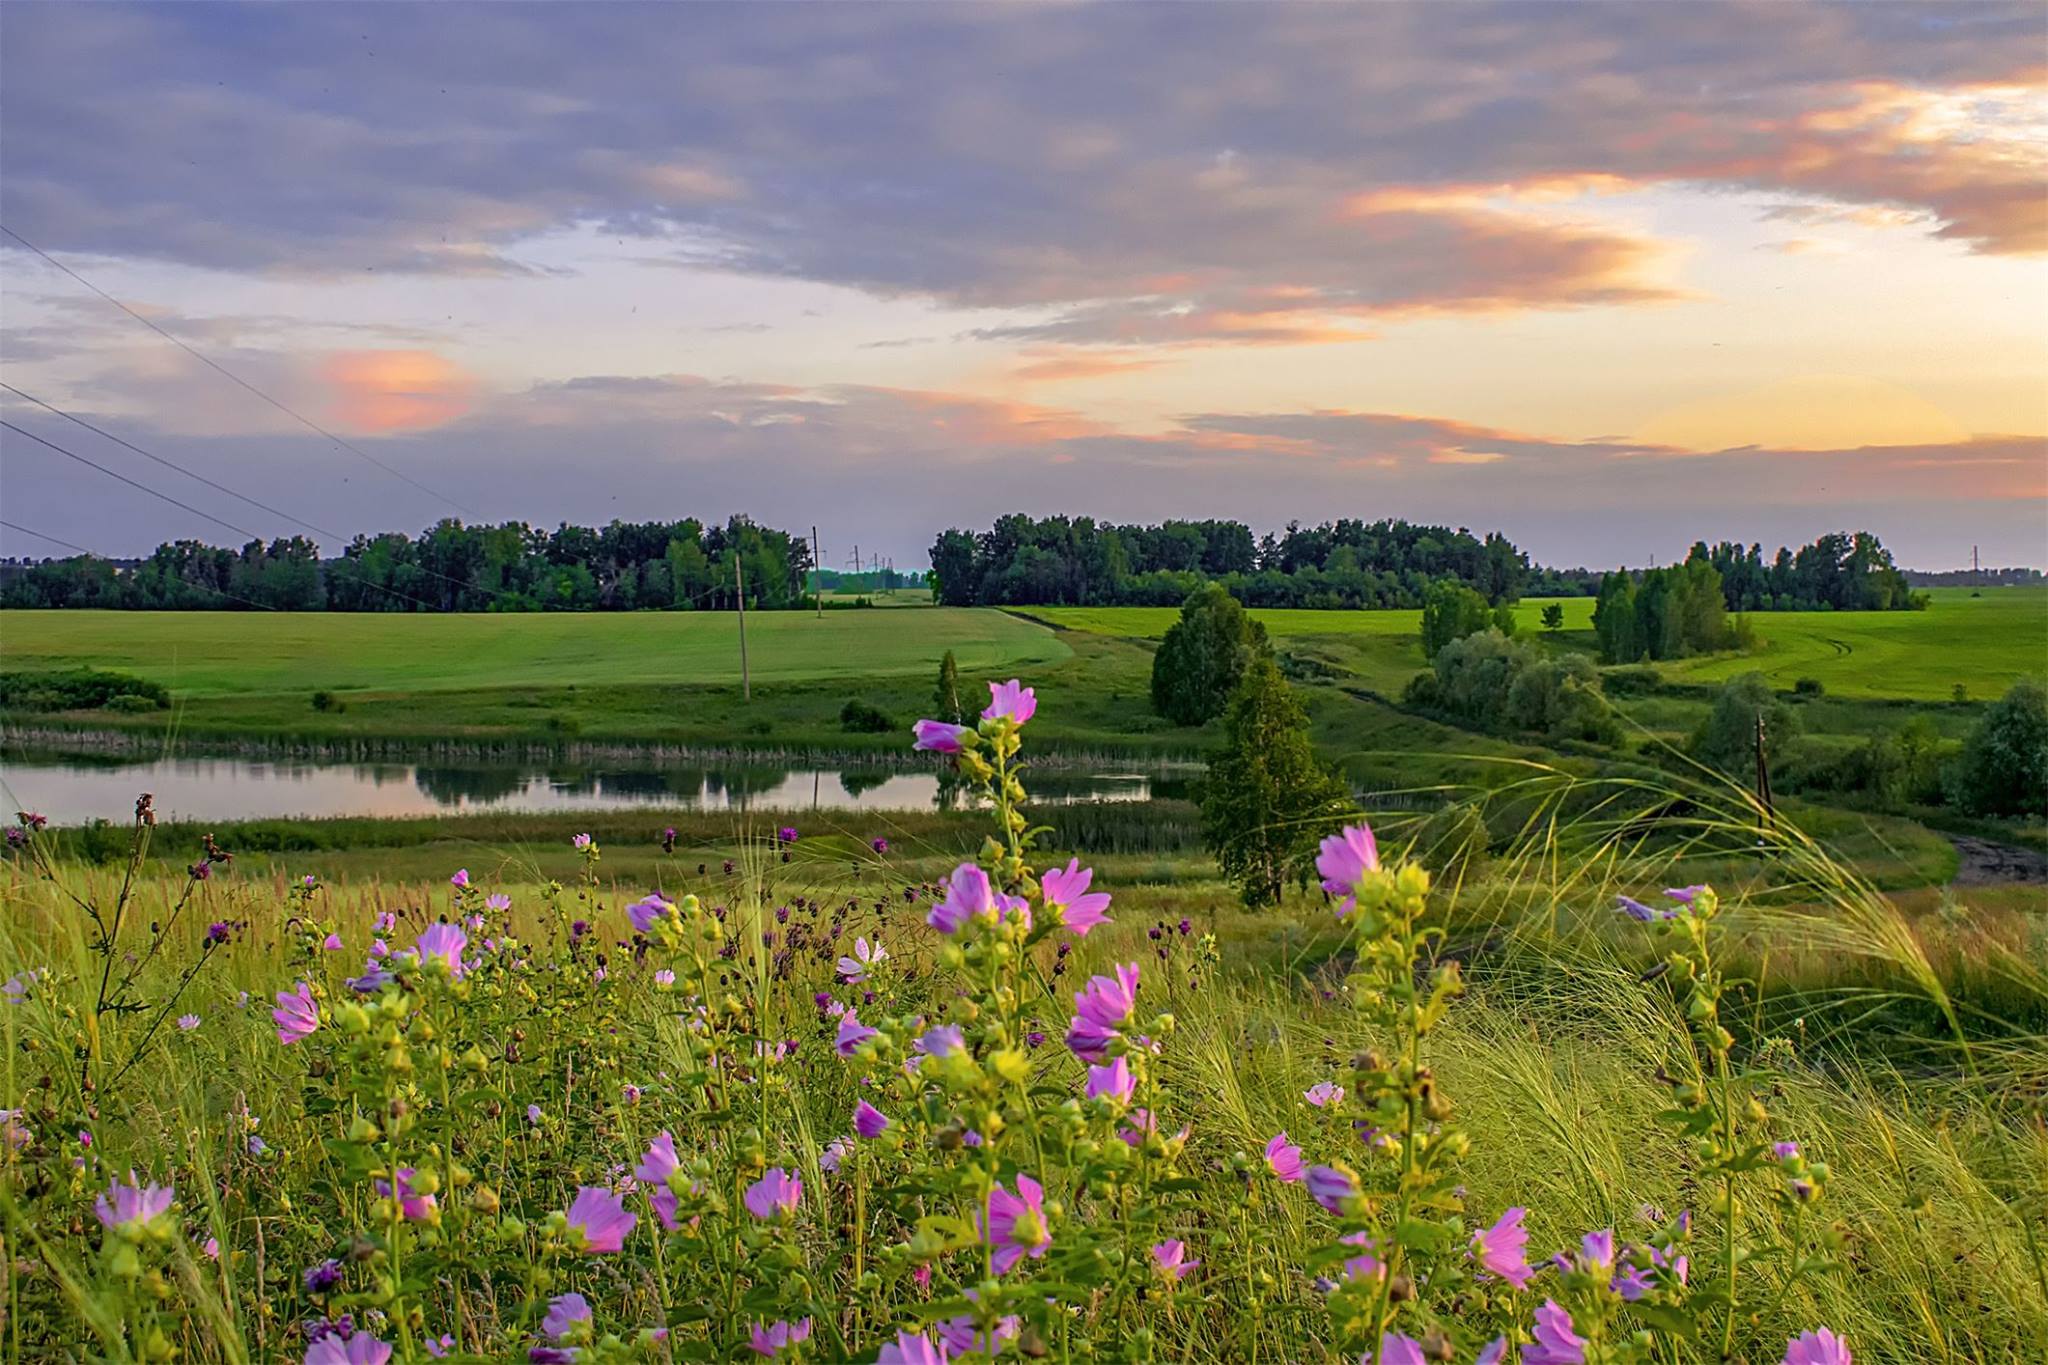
394, 391
1058, 366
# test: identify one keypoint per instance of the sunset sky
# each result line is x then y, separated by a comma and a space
1607, 278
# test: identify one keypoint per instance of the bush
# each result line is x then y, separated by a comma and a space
1635, 680
132, 704
82, 689
1727, 738
2003, 769
324, 701
1451, 611
1808, 687
1490, 682
861, 718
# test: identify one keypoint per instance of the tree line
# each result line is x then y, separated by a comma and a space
626, 566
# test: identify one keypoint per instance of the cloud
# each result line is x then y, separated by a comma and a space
386, 391
1058, 365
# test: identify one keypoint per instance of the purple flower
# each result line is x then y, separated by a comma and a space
911, 1348
1323, 1094
439, 1347
1784, 1151
1102, 1007
647, 913
660, 1161
126, 1204
942, 1040
1639, 912
836, 1151
385, 922
218, 931
1596, 1252
1366, 1265
1556, 1343
320, 1278
1113, 1081
1396, 1349
416, 1208
498, 901
1067, 893
1492, 1353
1501, 1249
1818, 1347
1344, 860
960, 1335
296, 1015
866, 957
968, 896
566, 1312
852, 1033
333, 943
869, 1121
188, 1022
879, 845
1685, 895
777, 1192
937, 736
1283, 1158
1014, 1224
359, 1348
1332, 1186
460, 879
1170, 1257
786, 835
770, 1340
551, 1355
1010, 701
580, 843
443, 943
598, 1221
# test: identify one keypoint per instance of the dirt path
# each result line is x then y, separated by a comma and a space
1984, 863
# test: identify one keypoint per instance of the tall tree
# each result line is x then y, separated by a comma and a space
1268, 797
1203, 656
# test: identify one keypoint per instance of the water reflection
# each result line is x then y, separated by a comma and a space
73, 788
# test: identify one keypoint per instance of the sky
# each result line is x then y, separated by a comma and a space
1606, 278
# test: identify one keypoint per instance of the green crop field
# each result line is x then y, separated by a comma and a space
223, 654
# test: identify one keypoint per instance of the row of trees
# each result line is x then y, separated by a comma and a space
1079, 561
1839, 571
625, 566
1662, 613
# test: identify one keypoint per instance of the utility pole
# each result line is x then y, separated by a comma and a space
817, 575
740, 591
1763, 777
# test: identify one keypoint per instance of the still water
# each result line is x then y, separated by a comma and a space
71, 789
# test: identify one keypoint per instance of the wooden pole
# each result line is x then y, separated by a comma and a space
817, 575
740, 591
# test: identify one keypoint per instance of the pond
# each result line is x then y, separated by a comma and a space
71, 788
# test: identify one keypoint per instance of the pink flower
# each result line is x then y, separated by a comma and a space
773, 1339
647, 913
1014, 1224
212, 1248
1067, 893
660, 1161
1323, 1094
777, 1192
942, 1040
1102, 1007
1171, 1259
133, 1202
960, 1335
1010, 701
359, 1348
869, 1121
866, 957
911, 1348
852, 1033
296, 1015
1500, 1249
566, 1312
968, 896
1113, 1081
188, 1022
598, 1222
1343, 862
461, 878
1556, 1343
333, 943
1596, 1252
443, 943
937, 736
498, 901
1283, 1158
1332, 1186
1365, 1265
1492, 1353
1396, 1349
1818, 1347
414, 1208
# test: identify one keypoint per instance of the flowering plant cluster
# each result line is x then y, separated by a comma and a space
586, 1134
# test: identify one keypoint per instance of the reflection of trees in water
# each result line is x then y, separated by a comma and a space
856, 782
741, 784
450, 786
955, 792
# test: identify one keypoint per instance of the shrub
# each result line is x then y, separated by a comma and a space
81, 689
323, 700
132, 704
1808, 687
863, 718
1203, 657
1633, 680
2003, 769
1489, 682
1726, 739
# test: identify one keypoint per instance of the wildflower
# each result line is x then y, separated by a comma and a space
321, 1278
1637, 911
1396, 1349
911, 1348
439, 1347
852, 1033
188, 1022
1014, 1224
866, 957
376, 976
968, 896
786, 835
598, 1222
1785, 1151
630, 1093
664, 978
1344, 860
218, 931
566, 1314
413, 1206
379, 948
1500, 1249
1596, 1252
581, 843
1102, 1007
1818, 1347
333, 943
962, 1335
358, 1348
1113, 1081
460, 879
1556, 1343
1332, 1186
836, 1151
647, 913
1170, 1257
200, 870
255, 1146
942, 1040
17, 986
1010, 701
1685, 895
1365, 1265
1323, 1094
770, 1340
1067, 894
296, 1015
879, 845
17, 837
869, 1121
777, 1192
1492, 1353
1283, 1158
443, 943
938, 737
498, 901
132, 1204
385, 922
211, 1249
13, 1130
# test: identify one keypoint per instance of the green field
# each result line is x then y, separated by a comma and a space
222, 654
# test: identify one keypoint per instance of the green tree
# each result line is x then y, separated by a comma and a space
946, 696
1726, 739
1203, 657
2003, 769
1614, 620
1451, 611
1268, 797
1553, 616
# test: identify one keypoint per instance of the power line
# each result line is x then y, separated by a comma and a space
222, 370
39, 535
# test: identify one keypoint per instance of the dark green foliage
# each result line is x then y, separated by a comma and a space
863, 718
1488, 682
946, 696
1203, 657
323, 700
1843, 572
2003, 769
1662, 614
1268, 798
1451, 611
81, 689
1808, 687
1553, 616
1727, 738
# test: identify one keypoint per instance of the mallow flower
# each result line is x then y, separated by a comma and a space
912, 1348
598, 1222
777, 1192
1283, 1158
852, 1033
132, 1204
1010, 701
1112, 1081
1066, 893
566, 1314
413, 1206
296, 1014
968, 896
1343, 861
358, 1348
1556, 1343
1014, 1224
1170, 1258
1501, 1249
1102, 1007
645, 914
866, 957
936, 736
777, 1337
1818, 1347
443, 943
869, 1121
1332, 1186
